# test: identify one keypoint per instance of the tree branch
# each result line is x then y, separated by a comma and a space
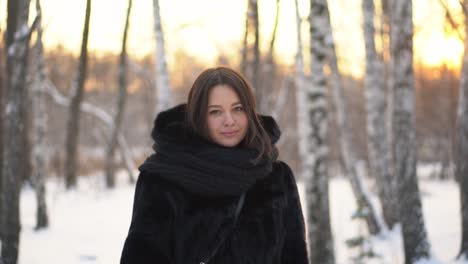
102, 115
450, 18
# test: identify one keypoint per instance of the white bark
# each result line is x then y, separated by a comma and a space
163, 89
39, 152
377, 141
14, 151
416, 245
316, 175
345, 133
385, 59
301, 102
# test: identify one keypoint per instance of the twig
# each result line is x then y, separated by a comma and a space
450, 18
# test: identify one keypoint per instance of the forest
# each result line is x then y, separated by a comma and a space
375, 132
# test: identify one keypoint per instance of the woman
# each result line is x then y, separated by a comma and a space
214, 192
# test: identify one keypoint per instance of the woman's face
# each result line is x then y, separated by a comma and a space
227, 120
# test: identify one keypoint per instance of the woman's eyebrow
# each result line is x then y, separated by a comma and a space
233, 104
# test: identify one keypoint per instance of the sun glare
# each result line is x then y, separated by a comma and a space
438, 50
206, 29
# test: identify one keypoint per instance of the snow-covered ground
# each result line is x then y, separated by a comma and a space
89, 224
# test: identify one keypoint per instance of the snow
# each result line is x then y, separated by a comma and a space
89, 224
441, 209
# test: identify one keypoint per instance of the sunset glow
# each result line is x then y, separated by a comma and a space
439, 50
206, 29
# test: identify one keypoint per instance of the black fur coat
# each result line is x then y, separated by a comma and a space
186, 197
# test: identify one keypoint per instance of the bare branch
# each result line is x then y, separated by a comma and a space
102, 115
463, 4
450, 18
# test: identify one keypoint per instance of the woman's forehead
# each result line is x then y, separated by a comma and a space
223, 95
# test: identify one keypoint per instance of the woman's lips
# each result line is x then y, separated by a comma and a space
229, 133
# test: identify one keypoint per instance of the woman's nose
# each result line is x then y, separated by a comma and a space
229, 119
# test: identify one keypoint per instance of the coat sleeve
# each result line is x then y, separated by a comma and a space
149, 237
295, 248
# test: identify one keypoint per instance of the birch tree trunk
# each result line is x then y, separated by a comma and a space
110, 166
344, 132
316, 176
12, 8
385, 30
301, 102
377, 143
163, 90
14, 151
385, 60
416, 245
40, 128
461, 157
74, 112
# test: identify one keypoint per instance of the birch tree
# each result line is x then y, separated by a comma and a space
110, 166
344, 131
39, 127
77, 94
18, 37
461, 165
316, 175
416, 245
301, 102
385, 28
377, 143
163, 89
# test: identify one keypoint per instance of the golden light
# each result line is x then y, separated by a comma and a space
205, 29
439, 49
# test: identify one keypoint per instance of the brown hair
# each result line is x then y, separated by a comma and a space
197, 107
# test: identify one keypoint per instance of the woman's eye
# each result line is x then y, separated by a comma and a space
239, 109
215, 112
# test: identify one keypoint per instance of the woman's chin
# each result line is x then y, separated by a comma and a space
228, 142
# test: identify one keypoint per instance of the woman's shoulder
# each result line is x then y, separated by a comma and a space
280, 180
151, 182
155, 181
157, 191
284, 173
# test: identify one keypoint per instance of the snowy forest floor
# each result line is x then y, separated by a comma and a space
89, 224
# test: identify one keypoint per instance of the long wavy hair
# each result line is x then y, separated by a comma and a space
197, 108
